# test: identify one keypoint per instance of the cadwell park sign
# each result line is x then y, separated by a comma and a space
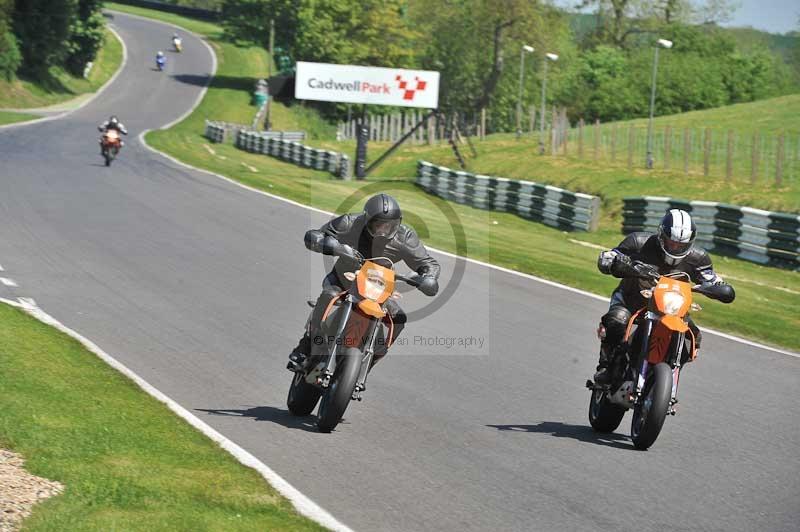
369, 85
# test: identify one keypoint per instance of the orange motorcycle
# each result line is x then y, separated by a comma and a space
352, 326
646, 368
111, 144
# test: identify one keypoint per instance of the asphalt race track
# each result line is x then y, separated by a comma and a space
199, 286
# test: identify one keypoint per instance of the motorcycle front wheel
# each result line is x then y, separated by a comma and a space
108, 156
604, 416
303, 397
651, 411
336, 398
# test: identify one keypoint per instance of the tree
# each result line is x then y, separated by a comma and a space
41, 28
10, 57
86, 33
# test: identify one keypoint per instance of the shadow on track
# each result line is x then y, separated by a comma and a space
268, 413
218, 82
582, 433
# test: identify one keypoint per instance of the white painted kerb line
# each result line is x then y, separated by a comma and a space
8, 282
303, 504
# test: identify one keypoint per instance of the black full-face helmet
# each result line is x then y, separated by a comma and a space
383, 216
676, 236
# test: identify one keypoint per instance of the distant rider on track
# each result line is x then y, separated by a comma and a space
375, 232
669, 250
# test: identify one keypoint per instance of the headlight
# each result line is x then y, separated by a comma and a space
374, 287
673, 302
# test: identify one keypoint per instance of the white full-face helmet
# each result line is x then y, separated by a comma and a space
676, 236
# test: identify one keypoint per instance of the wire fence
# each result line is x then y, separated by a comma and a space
727, 154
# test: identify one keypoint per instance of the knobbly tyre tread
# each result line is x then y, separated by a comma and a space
661, 389
607, 416
302, 397
336, 399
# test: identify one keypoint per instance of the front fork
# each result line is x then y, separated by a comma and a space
645, 365
324, 379
366, 360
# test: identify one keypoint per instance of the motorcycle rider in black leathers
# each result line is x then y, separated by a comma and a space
112, 123
375, 232
669, 250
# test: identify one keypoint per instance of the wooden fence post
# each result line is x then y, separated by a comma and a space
614, 143
596, 139
754, 160
483, 123
707, 152
431, 130
580, 138
687, 150
729, 157
779, 160
553, 134
631, 140
667, 146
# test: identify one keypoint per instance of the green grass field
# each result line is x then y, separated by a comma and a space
7, 117
61, 86
127, 462
766, 300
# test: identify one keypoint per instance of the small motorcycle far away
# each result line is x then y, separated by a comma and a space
177, 43
111, 141
646, 367
161, 61
352, 326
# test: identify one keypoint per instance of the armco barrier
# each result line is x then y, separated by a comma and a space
268, 143
217, 131
549, 205
754, 235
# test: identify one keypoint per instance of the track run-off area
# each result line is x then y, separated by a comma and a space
477, 421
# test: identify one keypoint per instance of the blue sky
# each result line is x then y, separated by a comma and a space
776, 16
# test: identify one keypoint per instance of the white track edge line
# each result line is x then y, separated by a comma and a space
89, 100
304, 505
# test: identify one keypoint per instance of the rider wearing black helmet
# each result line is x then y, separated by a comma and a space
670, 249
377, 231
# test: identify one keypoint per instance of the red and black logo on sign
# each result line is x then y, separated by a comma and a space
409, 89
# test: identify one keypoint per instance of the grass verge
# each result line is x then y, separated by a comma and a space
127, 462
7, 117
60, 86
767, 298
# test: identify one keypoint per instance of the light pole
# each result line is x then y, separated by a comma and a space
529, 49
551, 57
659, 44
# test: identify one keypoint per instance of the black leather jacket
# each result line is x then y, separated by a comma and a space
644, 247
350, 229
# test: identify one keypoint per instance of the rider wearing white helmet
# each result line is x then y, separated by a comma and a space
670, 249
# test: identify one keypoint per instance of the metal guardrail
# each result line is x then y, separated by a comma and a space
754, 235
571, 211
217, 131
271, 143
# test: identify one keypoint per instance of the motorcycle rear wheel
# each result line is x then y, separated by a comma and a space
604, 416
650, 413
303, 397
337, 397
